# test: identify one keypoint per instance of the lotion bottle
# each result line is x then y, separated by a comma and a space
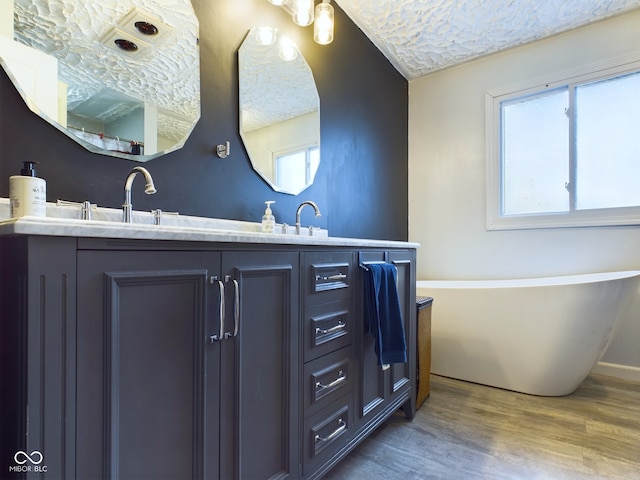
268, 220
27, 193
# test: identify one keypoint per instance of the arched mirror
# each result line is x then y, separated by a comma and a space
120, 77
279, 111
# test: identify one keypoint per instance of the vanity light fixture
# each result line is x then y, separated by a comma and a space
303, 13
323, 24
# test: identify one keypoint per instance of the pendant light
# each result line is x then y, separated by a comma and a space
304, 13
323, 24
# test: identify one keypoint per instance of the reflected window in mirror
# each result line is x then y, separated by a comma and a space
296, 168
279, 111
136, 103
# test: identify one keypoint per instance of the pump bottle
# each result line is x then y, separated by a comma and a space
27, 193
268, 220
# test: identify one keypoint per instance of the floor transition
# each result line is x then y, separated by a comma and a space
465, 431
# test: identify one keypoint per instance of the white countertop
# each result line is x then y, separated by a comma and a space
106, 223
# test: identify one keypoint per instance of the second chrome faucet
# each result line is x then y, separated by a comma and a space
149, 189
299, 211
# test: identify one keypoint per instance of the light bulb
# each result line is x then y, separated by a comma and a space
323, 25
303, 12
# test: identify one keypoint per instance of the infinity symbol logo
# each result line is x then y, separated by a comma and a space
35, 457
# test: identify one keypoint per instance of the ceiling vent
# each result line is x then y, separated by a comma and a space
135, 32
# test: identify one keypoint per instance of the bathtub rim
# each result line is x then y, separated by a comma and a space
547, 281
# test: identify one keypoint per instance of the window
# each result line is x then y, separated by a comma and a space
566, 153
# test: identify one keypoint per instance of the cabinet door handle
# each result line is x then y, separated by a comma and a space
216, 337
341, 379
236, 311
342, 427
324, 331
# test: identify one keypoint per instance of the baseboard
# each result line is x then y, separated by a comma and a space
619, 371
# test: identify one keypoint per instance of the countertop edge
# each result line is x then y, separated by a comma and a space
93, 229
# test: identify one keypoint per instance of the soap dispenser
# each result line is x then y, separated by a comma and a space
268, 220
27, 193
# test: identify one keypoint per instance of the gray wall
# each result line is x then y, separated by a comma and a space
361, 186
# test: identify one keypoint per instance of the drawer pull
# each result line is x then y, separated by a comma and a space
325, 331
334, 434
331, 278
341, 379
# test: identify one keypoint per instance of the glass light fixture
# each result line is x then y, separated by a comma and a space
303, 12
323, 24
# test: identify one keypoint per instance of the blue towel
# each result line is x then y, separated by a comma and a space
383, 318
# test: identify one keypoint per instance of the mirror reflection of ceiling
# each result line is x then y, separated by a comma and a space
279, 114
273, 90
106, 83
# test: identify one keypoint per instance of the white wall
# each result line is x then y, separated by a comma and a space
447, 175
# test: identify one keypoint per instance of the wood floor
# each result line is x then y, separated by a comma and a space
465, 431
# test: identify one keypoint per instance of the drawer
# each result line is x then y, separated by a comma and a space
326, 433
327, 328
326, 379
328, 276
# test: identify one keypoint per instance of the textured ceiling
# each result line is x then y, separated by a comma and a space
422, 36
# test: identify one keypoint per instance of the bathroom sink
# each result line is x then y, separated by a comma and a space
73, 211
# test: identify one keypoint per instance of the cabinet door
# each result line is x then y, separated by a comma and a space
259, 411
147, 378
383, 390
403, 375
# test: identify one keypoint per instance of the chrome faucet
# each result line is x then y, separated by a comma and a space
148, 189
300, 207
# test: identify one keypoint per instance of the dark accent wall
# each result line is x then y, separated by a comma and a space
361, 186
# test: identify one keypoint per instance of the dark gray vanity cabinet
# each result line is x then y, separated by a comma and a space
163, 390
139, 359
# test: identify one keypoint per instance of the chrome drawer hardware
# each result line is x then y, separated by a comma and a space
332, 278
334, 434
324, 331
341, 379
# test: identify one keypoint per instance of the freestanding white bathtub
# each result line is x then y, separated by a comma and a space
540, 336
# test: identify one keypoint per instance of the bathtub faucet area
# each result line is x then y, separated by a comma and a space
540, 336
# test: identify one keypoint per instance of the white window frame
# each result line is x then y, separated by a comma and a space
495, 218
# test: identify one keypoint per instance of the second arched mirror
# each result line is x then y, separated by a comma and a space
279, 111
